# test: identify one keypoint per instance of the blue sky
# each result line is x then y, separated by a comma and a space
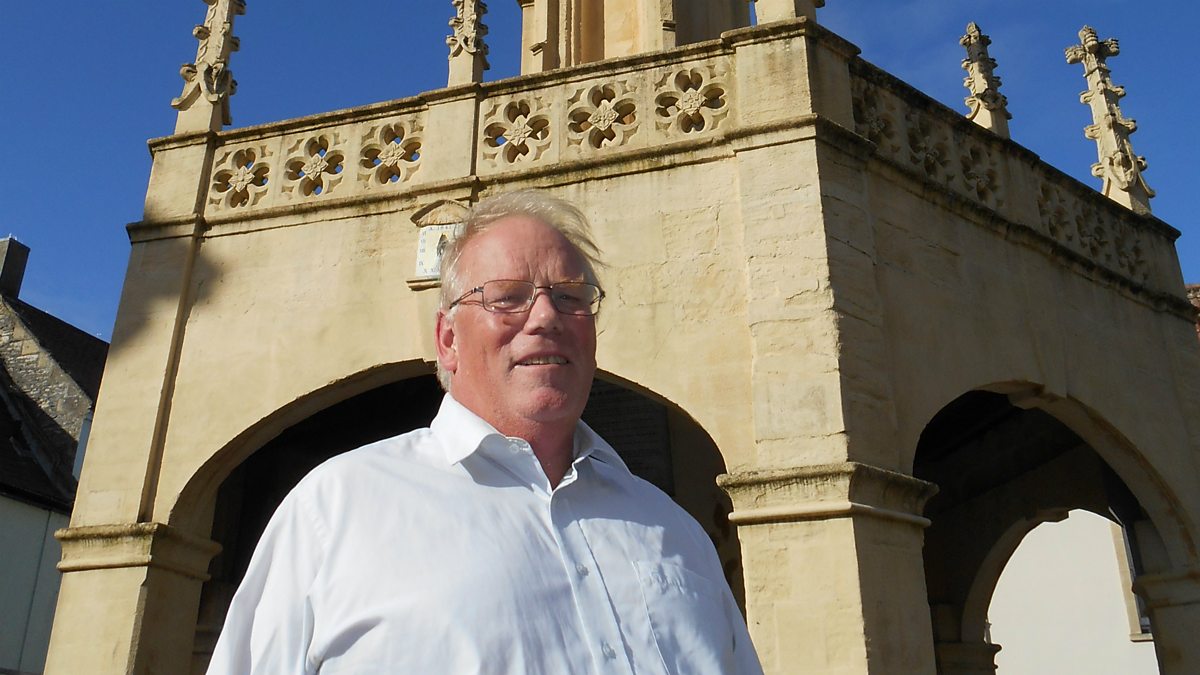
84, 84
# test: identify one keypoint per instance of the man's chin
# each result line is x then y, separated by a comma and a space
548, 404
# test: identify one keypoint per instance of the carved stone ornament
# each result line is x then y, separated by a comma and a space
980, 174
240, 177
468, 51
690, 101
468, 27
927, 148
875, 119
209, 78
988, 107
516, 132
391, 153
315, 166
1118, 167
601, 116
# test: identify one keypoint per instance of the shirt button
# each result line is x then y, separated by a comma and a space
582, 569
608, 651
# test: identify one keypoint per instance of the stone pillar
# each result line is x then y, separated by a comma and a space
1119, 167
208, 83
540, 30
835, 581
777, 10
988, 107
1173, 601
128, 601
131, 584
468, 51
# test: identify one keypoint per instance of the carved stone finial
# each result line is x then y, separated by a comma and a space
468, 52
778, 10
1120, 169
988, 107
208, 83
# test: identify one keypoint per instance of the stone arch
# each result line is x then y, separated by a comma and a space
1008, 457
1143, 479
192, 511
239, 487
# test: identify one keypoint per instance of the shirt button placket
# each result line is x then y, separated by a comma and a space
595, 608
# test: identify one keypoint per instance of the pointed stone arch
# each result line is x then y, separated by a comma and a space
1008, 457
233, 494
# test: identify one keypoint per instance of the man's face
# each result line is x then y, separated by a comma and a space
513, 369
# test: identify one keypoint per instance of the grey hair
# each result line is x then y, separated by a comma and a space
558, 213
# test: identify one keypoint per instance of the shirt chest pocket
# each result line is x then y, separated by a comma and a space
688, 619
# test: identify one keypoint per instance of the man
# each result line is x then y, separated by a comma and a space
507, 537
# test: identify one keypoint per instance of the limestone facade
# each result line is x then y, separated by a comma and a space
855, 295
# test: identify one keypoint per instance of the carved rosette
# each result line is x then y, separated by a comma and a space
314, 166
1131, 256
240, 177
875, 119
928, 149
601, 116
1093, 235
1058, 219
691, 100
980, 175
391, 153
516, 132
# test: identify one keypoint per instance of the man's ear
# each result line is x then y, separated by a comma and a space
447, 348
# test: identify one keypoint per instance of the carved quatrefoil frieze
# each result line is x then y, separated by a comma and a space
691, 100
602, 116
928, 148
515, 132
315, 166
875, 118
240, 177
979, 174
391, 153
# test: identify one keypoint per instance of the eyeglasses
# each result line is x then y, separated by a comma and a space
509, 296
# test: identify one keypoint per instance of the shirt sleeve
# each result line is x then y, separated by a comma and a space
269, 626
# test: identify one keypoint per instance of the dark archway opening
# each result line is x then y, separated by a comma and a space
658, 442
1001, 470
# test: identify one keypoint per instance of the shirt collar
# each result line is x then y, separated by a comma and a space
462, 433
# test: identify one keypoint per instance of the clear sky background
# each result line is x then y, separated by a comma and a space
83, 84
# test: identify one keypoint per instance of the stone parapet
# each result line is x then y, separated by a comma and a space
1007, 184
679, 105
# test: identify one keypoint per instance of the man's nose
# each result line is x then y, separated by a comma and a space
543, 315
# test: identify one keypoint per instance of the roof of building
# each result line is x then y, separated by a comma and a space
80, 354
26, 471
49, 377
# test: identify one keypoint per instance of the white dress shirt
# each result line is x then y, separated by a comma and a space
445, 550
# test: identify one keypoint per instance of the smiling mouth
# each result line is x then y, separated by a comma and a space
543, 361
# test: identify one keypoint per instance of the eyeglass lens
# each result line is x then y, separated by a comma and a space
568, 297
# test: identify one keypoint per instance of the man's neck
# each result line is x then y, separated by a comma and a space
553, 445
